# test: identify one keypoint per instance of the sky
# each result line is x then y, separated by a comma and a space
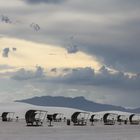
70, 48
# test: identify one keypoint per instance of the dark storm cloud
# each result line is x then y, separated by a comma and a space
84, 76
45, 1
24, 74
123, 59
87, 76
108, 29
5, 52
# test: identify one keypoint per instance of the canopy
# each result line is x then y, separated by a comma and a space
35, 117
7, 116
80, 118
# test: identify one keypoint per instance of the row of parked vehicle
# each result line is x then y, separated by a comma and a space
106, 118
37, 117
33, 117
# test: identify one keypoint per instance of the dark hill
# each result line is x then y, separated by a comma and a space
77, 102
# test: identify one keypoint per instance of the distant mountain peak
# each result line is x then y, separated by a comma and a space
79, 98
76, 102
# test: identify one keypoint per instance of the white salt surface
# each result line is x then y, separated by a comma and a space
19, 131
60, 131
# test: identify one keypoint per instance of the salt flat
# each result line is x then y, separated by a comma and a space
60, 130
19, 131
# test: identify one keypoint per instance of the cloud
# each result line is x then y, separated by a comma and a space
72, 49
71, 46
45, 1
14, 49
35, 26
107, 29
83, 76
54, 70
6, 67
104, 86
39, 71
5, 19
8, 20
5, 52
23, 74
78, 76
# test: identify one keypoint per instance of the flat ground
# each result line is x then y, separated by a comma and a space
60, 131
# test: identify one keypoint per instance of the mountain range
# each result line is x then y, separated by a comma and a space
76, 102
